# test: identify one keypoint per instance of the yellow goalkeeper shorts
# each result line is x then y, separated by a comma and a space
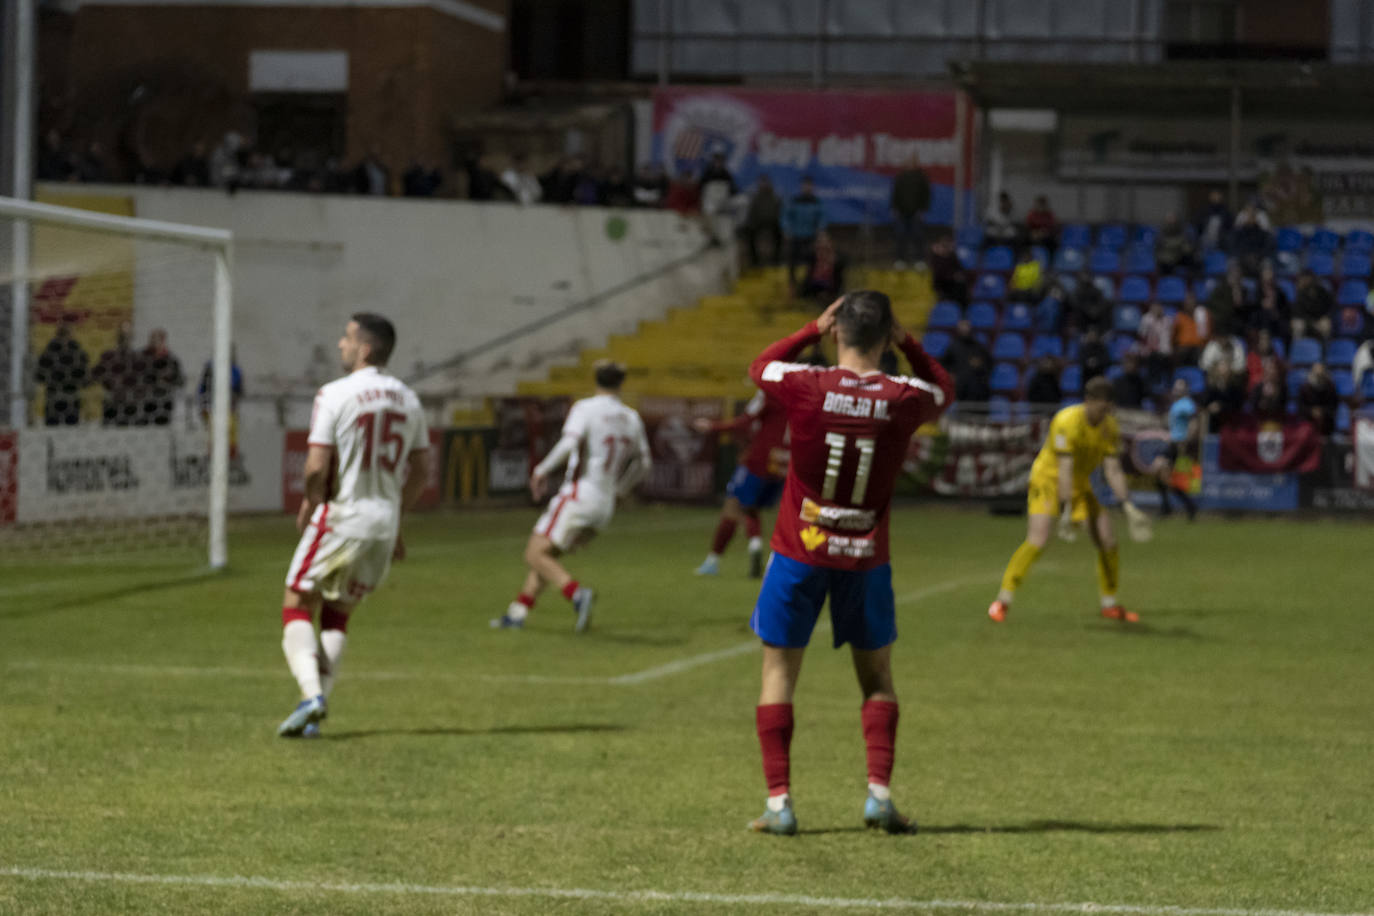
1043, 499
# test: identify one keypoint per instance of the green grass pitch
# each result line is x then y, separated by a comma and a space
1216, 756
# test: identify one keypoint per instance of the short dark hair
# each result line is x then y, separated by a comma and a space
864, 319
609, 375
379, 333
1099, 388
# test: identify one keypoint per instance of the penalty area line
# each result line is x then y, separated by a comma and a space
247, 882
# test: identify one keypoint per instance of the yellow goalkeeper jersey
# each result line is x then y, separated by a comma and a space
1072, 434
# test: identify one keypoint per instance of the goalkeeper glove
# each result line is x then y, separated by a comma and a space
1066, 529
1137, 523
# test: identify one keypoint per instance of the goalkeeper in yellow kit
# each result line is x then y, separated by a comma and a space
1081, 438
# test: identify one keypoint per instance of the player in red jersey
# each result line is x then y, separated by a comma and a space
850, 427
756, 482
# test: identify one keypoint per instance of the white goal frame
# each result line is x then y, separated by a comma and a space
220, 244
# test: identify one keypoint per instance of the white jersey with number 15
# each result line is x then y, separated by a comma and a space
373, 422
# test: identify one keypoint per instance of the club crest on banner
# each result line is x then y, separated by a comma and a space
1269, 443
699, 127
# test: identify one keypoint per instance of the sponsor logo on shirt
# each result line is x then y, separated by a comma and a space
813, 537
838, 517
856, 548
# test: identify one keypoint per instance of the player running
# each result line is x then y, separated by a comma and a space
850, 426
1081, 438
607, 455
756, 482
368, 461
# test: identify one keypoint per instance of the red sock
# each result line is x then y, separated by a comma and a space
880, 738
289, 614
331, 618
570, 589
526, 600
774, 724
721, 539
752, 527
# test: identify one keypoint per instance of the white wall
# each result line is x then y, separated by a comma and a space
452, 275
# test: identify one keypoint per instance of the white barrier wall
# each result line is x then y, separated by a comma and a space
453, 275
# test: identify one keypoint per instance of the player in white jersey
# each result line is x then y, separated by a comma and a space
607, 455
368, 461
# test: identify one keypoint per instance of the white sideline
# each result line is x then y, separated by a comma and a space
651, 896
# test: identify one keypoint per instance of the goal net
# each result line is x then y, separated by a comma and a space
115, 418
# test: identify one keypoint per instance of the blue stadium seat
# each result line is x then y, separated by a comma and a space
972, 236
1070, 402
1104, 261
1197, 382
1134, 289
1005, 377
1340, 352
1071, 380
1043, 345
1076, 235
1342, 418
1280, 347
1069, 260
1352, 292
1126, 319
968, 256
1356, 264
1047, 315
1020, 411
983, 315
1325, 241
935, 343
1344, 382
1367, 386
1113, 373
1359, 240
1017, 317
991, 286
1321, 263
1171, 290
1348, 322
1140, 260
1288, 239
1306, 351
1145, 235
1042, 255
944, 315
1295, 379
1119, 345
1111, 236
1009, 346
1287, 263
1105, 284
999, 409
1071, 350
1289, 289
1214, 263
998, 257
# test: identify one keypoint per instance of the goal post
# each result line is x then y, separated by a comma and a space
86, 285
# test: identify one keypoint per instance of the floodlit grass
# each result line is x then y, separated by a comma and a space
1217, 755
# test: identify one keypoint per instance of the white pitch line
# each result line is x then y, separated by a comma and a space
648, 896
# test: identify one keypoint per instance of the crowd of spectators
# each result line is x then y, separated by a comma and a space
138, 387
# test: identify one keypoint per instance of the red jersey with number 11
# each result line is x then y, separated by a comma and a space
850, 434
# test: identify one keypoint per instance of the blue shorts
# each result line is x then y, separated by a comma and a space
863, 612
752, 491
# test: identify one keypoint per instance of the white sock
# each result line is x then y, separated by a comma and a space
517, 611
332, 642
1108, 600
302, 655
712, 557
778, 802
755, 545
881, 793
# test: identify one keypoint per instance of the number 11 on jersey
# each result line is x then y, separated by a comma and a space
838, 444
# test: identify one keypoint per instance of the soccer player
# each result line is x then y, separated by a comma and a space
756, 482
1081, 437
368, 460
850, 427
1183, 425
607, 454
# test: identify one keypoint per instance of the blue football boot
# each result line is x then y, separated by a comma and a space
307, 712
782, 823
883, 815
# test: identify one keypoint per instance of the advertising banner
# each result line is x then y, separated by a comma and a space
526, 430
684, 459
975, 457
9, 477
465, 474
850, 143
1267, 447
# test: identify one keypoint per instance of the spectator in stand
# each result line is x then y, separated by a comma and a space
418, 181
1251, 241
194, 168
910, 200
1093, 356
1043, 387
117, 372
1229, 303
371, 175
1254, 360
1224, 396
1227, 349
1363, 362
205, 396
560, 182
823, 279
1041, 226
1026, 280
1318, 400
92, 166
160, 378
63, 369
54, 161
1214, 224
1273, 312
1312, 310
1156, 342
1088, 307
764, 218
651, 185
802, 219
524, 187
718, 189
1192, 330
1129, 389
682, 196
1175, 248
1000, 225
617, 191
225, 162
970, 362
1269, 396
589, 189
482, 180
947, 275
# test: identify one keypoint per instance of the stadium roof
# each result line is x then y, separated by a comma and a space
1288, 88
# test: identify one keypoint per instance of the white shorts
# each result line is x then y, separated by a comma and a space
572, 519
340, 569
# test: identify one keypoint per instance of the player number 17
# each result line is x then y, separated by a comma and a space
837, 444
